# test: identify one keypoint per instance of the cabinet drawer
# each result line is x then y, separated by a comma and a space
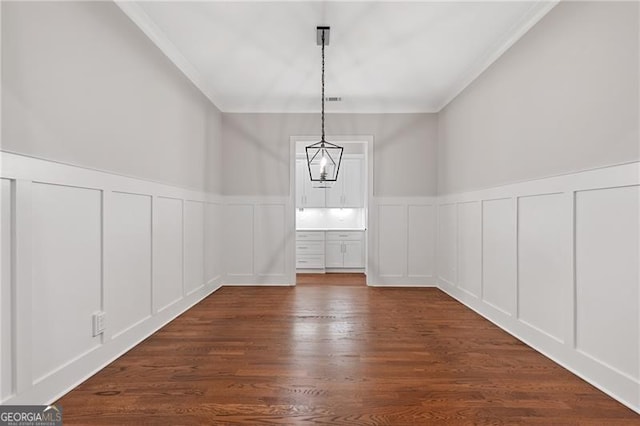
309, 247
345, 235
310, 235
310, 261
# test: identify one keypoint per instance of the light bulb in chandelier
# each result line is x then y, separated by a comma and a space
323, 167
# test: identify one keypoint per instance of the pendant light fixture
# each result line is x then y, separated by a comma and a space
323, 158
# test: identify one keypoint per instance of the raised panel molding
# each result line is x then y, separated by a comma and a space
544, 263
402, 241
259, 241
421, 237
193, 246
83, 241
67, 275
447, 243
499, 254
214, 242
270, 240
167, 252
559, 268
392, 240
469, 265
239, 241
6, 291
607, 281
127, 262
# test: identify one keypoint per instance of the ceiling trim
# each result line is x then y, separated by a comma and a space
158, 37
528, 20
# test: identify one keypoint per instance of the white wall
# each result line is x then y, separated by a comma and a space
83, 85
132, 228
564, 98
553, 260
258, 165
257, 150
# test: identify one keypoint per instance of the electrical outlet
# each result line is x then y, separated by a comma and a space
98, 323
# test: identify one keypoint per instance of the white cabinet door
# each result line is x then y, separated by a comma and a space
336, 192
306, 194
348, 191
353, 185
333, 257
314, 197
353, 254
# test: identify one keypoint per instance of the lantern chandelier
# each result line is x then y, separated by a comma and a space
323, 158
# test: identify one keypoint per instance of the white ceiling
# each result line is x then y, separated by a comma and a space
261, 56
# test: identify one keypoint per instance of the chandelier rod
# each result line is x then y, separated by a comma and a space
322, 140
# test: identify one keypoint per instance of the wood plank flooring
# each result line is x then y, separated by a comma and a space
336, 355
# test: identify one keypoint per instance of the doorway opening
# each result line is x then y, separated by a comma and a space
331, 224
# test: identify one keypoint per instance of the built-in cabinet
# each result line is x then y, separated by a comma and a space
322, 250
346, 192
306, 194
344, 249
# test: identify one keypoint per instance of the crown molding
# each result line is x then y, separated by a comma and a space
520, 28
166, 46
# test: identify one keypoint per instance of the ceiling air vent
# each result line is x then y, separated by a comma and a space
333, 99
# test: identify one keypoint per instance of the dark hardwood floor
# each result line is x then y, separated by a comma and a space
336, 355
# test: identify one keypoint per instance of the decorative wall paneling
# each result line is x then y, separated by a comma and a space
259, 241
402, 241
77, 241
554, 261
6, 290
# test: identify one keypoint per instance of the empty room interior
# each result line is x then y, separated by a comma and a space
330, 212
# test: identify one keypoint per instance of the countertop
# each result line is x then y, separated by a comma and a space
331, 229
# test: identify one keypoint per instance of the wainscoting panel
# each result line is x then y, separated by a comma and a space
259, 240
239, 242
270, 240
75, 242
499, 251
214, 242
167, 252
544, 263
607, 290
193, 246
67, 274
470, 247
6, 292
421, 233
127, 269
447, 243
401, 242
560, 268
392, 240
